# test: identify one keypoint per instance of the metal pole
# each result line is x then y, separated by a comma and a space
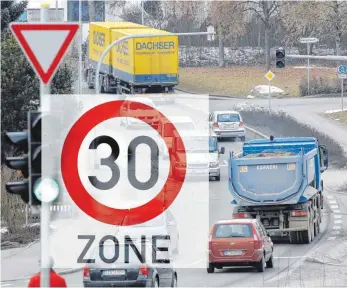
308, 70
45, 281
269, 95
80, 51
98, 67
341, 95
142, 12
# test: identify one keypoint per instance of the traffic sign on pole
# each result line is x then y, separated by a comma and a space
269, 75
309, 40
44, 44
342, 69
342, 76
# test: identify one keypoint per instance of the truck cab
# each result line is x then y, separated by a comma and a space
202, 155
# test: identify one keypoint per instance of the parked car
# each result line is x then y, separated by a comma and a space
131, 274
239, 242
142, 114
227, 124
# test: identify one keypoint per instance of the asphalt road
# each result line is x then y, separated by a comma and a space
287, 256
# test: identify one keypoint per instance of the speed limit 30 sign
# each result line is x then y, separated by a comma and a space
72, 179
136, 173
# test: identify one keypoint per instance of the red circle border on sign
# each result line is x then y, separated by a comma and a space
73, 183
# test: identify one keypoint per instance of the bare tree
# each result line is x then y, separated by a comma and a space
230, 21
266, 11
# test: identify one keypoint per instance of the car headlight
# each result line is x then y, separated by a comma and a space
214, 164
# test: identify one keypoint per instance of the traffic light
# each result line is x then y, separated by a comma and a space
35, 148
280, 58
29, 165
20, 141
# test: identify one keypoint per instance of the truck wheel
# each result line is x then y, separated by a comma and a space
89, 80
293, 236
306, 236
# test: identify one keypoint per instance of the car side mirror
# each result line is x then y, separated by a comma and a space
222, 150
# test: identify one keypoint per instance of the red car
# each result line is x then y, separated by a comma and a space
239, 242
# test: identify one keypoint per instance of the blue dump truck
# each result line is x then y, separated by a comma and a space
279, 182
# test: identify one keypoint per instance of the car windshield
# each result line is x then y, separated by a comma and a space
194, 145
233, 231
228, 117
169, 128
136, 106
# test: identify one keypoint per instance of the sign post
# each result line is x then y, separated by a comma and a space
342, 70
269, 76
308, 41
45, 58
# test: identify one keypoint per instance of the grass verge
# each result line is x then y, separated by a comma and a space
240, 80
338, 116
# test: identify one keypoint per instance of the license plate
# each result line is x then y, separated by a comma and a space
113, 272
232, 252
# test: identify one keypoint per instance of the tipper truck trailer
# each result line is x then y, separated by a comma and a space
135, 66
279, 182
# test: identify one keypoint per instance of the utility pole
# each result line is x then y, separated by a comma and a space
80, 50
45, 281
142, 11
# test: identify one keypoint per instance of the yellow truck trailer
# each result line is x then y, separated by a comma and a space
100, 37
139, 65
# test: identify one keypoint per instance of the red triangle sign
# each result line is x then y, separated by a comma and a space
44, 45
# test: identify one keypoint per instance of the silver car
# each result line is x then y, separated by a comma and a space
227, 124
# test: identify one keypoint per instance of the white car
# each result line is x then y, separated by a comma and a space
165, 129
227, 124
164, 224
142, 114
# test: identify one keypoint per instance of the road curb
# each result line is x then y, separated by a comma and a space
21, 250
334, 95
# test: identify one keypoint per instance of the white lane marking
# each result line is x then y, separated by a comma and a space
337, 211
194, 263
330, 197
288, 257
332, 201
337, 216
331, 238
334, 207
338, 222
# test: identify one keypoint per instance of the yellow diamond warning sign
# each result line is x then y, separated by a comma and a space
269, 75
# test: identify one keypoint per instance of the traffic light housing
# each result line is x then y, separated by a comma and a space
280, 58
29, 165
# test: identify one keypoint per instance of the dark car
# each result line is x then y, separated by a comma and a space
131, 274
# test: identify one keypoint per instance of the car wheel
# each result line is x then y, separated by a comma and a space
174, 281
218, 178
270, 262
210, 268
261, 264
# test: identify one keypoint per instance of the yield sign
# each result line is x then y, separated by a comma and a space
44, 45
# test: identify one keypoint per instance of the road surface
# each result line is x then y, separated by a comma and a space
288, 257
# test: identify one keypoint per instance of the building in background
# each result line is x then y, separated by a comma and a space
73, 11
